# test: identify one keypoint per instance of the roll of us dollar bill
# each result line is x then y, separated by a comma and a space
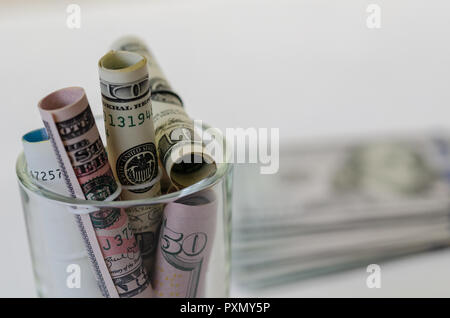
109, 240
185, 246
180, 148
130, 136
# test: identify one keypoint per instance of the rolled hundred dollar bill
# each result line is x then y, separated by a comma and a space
109, 240
130, 138
185, 246
54, 255
180, 149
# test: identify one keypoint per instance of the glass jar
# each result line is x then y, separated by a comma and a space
61, 264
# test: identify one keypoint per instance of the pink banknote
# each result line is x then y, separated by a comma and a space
110, 243
185, 244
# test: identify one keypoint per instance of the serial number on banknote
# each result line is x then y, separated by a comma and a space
127, 121
48, 175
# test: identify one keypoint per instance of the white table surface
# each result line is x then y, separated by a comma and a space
311, 68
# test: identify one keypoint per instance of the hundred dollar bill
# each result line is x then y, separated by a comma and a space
130, 138
185, 246
54, 255
180, 149
109, 240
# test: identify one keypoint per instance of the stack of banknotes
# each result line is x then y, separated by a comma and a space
337, 205
151, 149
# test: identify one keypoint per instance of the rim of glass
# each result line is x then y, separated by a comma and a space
25, 181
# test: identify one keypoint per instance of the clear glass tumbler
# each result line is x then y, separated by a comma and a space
58, 252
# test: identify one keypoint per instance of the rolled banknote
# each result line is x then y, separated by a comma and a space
180, 148
109, 241
185, 245
130, 138
41, 161
54, 256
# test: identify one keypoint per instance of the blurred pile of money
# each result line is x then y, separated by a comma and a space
338, 205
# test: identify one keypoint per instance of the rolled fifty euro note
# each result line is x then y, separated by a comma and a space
58, 245
185, 246
130, 137
108, 238
180, 148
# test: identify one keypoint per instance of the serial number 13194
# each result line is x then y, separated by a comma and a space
127, 121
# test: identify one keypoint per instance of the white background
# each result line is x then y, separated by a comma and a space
311, 68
